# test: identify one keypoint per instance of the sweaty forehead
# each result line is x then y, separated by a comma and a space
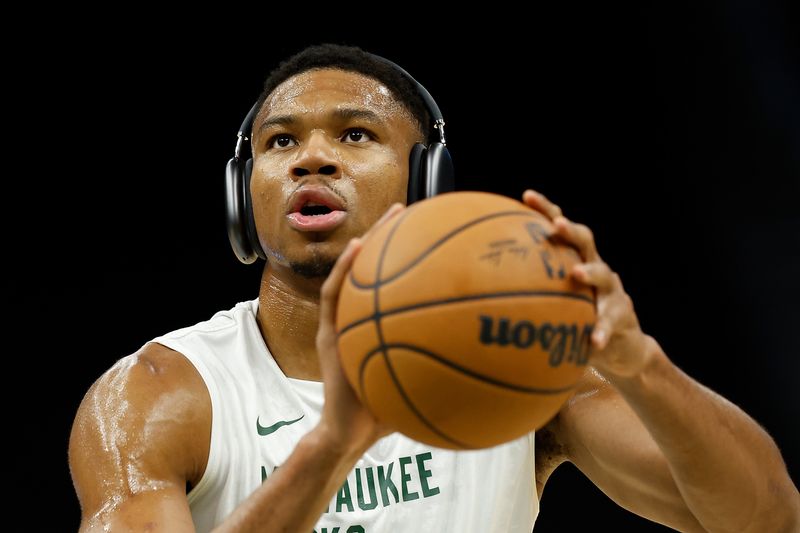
322, 89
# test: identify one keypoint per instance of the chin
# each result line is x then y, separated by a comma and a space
315, 268
316, 259
312, 269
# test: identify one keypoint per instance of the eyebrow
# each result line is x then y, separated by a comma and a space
342, 115
278, 120
360, 114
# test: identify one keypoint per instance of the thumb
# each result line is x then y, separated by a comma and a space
329, 295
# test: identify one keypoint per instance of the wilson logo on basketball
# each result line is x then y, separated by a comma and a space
568, 342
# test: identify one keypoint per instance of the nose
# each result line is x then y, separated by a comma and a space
317, 156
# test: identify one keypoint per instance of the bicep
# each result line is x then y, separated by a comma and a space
159, 510
606, 441
131, 453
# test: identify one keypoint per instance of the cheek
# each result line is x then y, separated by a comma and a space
265, 194
380, 181
269, 186
268, 194
396, 187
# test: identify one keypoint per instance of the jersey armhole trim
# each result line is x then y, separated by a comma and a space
213, 463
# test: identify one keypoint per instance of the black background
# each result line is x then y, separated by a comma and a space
673, 132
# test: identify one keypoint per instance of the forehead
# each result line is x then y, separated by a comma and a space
323, 89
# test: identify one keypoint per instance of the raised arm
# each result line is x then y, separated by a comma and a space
603, 437
140, 435
645, 421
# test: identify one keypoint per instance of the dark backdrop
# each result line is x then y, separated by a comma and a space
673, 132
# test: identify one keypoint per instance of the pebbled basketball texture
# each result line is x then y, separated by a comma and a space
459, 324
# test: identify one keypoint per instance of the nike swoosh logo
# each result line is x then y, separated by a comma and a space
263, 431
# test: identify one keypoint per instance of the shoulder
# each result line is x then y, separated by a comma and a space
592, 396
148, 413
592, 391
146, 378
241, 313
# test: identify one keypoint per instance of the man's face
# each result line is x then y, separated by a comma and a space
330, 155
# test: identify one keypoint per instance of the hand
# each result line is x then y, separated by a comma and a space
619, 347
345, 421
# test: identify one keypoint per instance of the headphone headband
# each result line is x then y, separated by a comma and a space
430, 105
246, 128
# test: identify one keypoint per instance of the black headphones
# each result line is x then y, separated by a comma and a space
430, 173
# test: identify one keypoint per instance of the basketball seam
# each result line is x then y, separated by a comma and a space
510, 294
471, 373
382, 348
435, 245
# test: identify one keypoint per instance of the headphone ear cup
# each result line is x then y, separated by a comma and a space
439, 171
236, 211
250, 219
416, 173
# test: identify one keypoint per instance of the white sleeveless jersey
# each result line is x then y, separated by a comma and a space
399, 485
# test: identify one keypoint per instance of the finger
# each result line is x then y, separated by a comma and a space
612, 314
538, 201
601, 333
329, 294
579, 236
597, 274
393, 210
604, 328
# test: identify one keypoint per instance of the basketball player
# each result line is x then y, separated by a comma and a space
226, 425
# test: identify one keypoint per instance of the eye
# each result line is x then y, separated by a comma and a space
356, 135
282, 140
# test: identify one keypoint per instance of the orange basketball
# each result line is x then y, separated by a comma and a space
459, 324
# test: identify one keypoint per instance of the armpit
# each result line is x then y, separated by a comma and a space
549, 454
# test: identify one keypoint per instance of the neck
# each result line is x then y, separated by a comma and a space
288, 317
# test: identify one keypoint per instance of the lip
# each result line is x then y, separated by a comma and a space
318, 195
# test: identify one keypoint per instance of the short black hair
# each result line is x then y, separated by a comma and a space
352, 59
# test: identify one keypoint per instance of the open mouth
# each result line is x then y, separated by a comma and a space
313, 210
316, 209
